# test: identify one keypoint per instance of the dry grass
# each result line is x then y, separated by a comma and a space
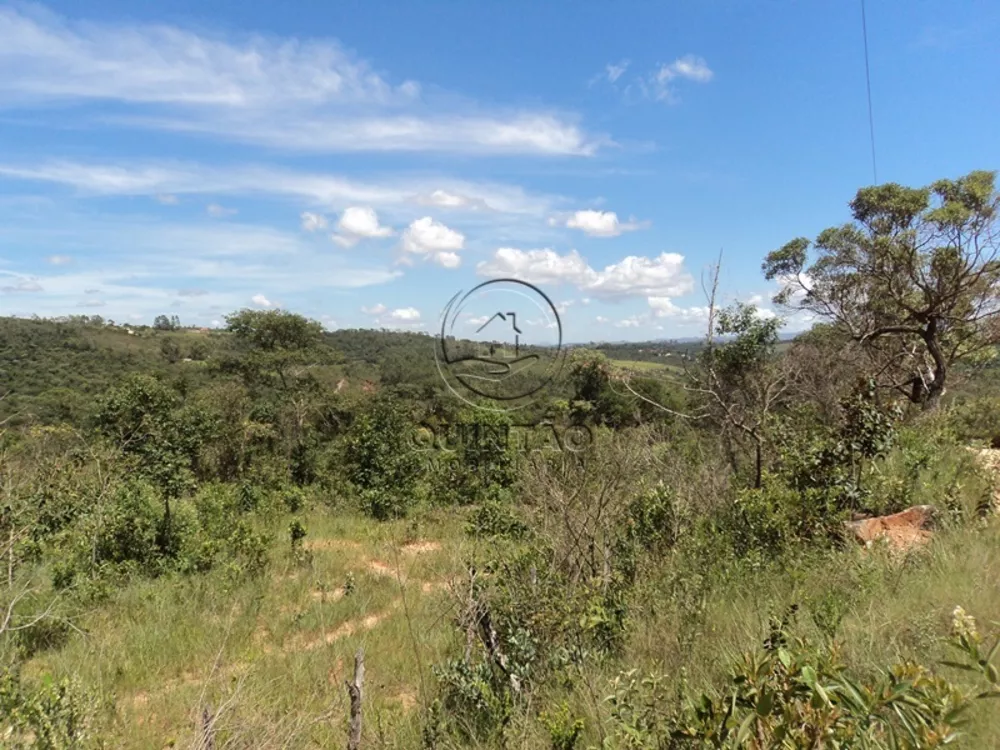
267, 658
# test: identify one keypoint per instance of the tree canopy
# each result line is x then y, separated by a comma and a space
913, 278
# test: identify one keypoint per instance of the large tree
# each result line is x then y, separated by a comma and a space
913, 279
274, 345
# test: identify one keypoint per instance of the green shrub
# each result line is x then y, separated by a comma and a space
379, 459
794, 694
56, 715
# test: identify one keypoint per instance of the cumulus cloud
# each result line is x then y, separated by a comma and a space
312, 222
601, 223
400, 317
261, 301
433, 241
633, 276
308, 95
664, 307
358, 223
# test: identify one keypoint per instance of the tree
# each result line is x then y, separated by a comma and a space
163, 323
913, 279
272, 343
170, 350
741, 381
379, 458
737, 380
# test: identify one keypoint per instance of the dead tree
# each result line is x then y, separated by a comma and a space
354, 691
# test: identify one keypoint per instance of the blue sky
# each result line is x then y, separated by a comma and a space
361, 162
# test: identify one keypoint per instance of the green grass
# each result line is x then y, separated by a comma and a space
271, 656
635, 364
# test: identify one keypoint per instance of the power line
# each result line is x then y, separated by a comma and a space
868, 83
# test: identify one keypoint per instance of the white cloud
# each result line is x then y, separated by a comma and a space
537, 266
600, 319
659, 84
664, 307
166, 199
433, 241
633, 276
22, 284
400, 317
312, 222
447, 260
615, 71
218, 212
444, 199
152, 178
59, 260
141, 263
477, 321
359, 223
642, 276
261, 301
601, 223
633, 322
404, 315
287, 93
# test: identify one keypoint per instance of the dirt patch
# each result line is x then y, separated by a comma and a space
408, 700
140, 699
385, 570
420, 548
332, 544
343, 630
902, 531
428, 587
324, 597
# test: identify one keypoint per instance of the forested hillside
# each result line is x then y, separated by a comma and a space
769, 543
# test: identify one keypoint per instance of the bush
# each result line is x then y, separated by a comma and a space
793, 694
53, 716
380, 461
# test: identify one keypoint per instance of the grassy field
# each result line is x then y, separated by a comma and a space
269, 658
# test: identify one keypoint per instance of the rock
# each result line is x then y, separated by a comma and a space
902, 530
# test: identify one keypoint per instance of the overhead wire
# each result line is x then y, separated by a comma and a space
868, 84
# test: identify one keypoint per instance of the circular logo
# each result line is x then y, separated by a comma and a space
500, 344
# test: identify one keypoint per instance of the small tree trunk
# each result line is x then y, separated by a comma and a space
207, 730
354, 691
758, 463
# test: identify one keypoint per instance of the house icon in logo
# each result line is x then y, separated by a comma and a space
495, 350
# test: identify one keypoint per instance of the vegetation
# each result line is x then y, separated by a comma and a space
198, 529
